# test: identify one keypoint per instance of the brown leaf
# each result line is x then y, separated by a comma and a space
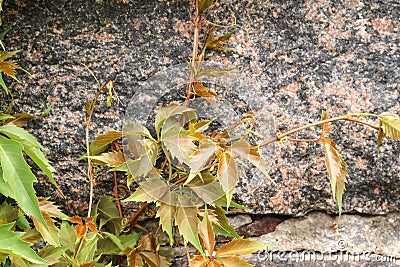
134, 259
204, 92
81, 231
76, 219
381, 135
337, 170
8, 68
326, 127
199, 261
207, 234
20, 119
151, 259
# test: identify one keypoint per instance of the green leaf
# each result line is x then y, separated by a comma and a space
227, 175
166, 112
8, 214
101, 142
50, 254
204, 4
206, 187
177, 142
32, 148
188, 223
151, 259
166, 213
222, 226
11, 244
17, 174
108, 213
140, 196
3, 84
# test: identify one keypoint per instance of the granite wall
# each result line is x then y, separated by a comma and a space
303, 56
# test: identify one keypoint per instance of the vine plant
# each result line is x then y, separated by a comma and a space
188, 170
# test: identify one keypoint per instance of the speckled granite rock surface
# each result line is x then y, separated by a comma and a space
307, 55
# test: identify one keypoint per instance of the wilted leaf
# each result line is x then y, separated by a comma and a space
381, 135
218, 43
326, 127
337, 170
204, 92
20, 119
227, 175
188, 225
9, 67
240, 247
134, 259
151, 259
11, 244
212, 72
234, 261
166, 213
17, 174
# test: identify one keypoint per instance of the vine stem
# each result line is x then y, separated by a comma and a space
194, 52
89, 161
348, 117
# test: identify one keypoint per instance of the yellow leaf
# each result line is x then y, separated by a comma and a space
240, 247
337, 170
390, 124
